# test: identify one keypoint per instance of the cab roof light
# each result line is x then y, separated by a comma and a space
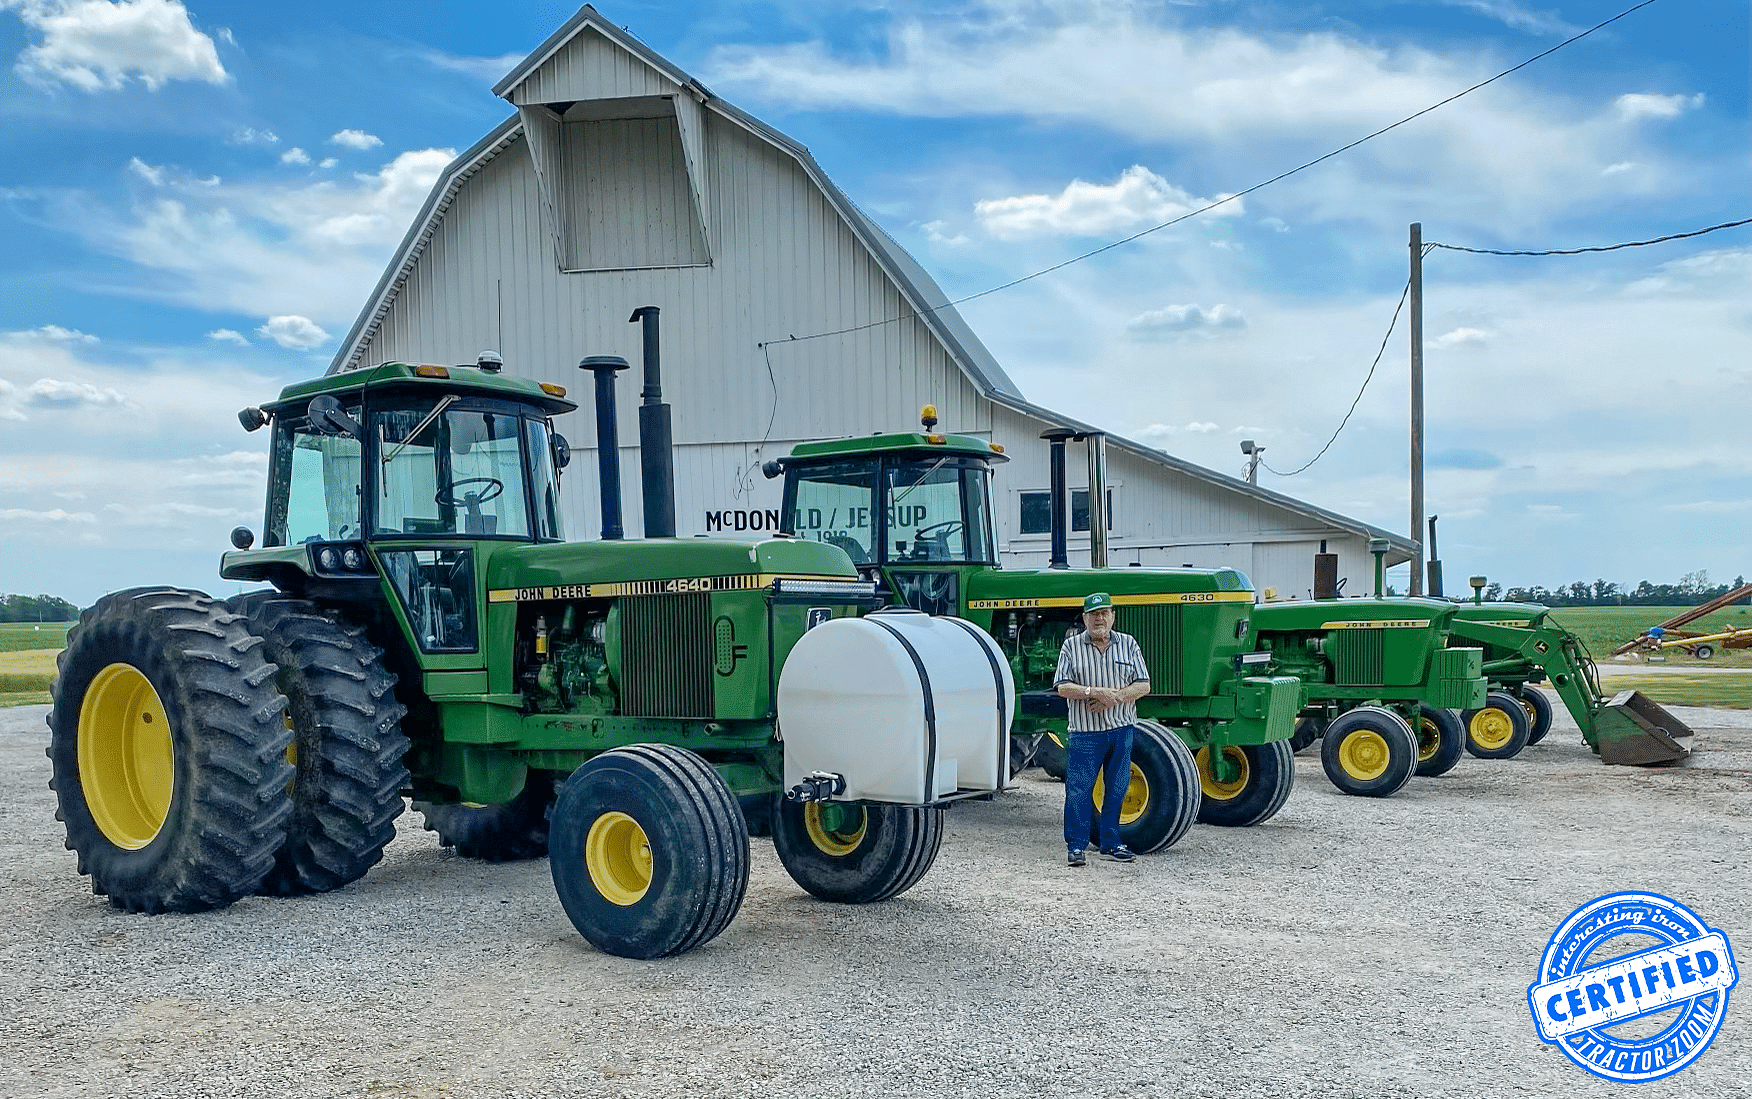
427, 370
997, 448
553, 390
937, 440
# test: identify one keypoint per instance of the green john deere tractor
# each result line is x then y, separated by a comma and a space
428, 633
1522, 647
913, 510
1379, 686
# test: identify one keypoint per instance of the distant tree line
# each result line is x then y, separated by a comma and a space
1693, 588
36, 608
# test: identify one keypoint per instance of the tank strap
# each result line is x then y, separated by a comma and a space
930, 707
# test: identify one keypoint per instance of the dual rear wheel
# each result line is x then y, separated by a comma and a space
1369, 752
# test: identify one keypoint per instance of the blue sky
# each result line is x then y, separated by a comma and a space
195, 199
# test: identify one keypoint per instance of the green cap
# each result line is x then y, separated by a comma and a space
1099, 601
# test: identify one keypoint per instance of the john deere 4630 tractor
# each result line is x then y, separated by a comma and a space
914, 512
429, 632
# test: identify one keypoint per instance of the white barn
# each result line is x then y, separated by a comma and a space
621, 182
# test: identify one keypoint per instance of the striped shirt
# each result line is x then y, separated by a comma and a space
1080, 662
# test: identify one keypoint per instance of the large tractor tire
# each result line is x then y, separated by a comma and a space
1161, 801
1441, 741
169, 752
1023, 750
856, 854
347, 743
505, 832
1368, 752
1268, 771
1497, 730
1308, 730
1538, 708
1050, 754
649, 851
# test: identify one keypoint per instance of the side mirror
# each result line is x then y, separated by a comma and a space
242, 537
562, 451
328, 417
774, 468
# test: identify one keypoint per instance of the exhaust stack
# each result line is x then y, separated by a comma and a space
656, 441
1096, 441
608, 440
1055, 438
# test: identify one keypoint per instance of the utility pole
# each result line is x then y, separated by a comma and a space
1253, 451
1417, 409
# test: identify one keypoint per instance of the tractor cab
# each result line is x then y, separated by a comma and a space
434, 467
913, 509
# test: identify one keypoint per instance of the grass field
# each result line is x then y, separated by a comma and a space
1603, 629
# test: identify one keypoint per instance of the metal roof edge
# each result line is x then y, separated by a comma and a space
588, 16
1399, 545
448, 182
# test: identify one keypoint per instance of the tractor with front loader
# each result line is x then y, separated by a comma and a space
913, 510
429, 633
1523, 646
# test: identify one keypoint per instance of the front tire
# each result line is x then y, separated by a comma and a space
649, 852
856, 854
347, 743
169, 752
1441, 741
1497, 730
1368, 752
1538, 708
508, 831
1268, 772
1051, 756
1162, 799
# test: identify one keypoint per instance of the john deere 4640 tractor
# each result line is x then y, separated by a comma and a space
914, 512
429, 632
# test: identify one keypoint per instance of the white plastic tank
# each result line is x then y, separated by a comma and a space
909, 708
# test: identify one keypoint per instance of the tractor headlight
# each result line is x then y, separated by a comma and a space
327, 559
353, 558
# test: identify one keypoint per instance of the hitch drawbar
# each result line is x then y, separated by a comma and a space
817, 786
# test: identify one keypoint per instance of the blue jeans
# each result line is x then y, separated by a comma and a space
1086, 755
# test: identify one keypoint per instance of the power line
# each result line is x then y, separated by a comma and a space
1219, 202
1382, 350
1604, 248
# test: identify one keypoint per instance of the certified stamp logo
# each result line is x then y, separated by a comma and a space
1633, 986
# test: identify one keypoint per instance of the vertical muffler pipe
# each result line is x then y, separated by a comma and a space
608, 440
656, 443
1434, 587
1379, 547
1325, 573
1096, 441
1055, 438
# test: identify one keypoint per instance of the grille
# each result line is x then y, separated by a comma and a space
1158, 632
667, 655
1358, 657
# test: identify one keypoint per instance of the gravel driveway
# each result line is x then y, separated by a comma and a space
1347, 947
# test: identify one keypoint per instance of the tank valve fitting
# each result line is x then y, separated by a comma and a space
817, 786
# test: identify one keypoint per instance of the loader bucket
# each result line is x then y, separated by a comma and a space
1633, 729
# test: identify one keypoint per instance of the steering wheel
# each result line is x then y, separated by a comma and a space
946, 527
447, 495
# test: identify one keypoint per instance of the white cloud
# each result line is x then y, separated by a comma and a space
1138, 198
1514, 15
23, 515
1712, 507
51, 333
489, 69
96, 45
1621, 166
1462, 337
267, 247
1641, 105
938, 232
226, 335
1178, 320
328, 162
147, 172
252, 136
1161, 431
54, 393
294, 155
355, 139
293, 332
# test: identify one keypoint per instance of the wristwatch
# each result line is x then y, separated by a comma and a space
1088, 693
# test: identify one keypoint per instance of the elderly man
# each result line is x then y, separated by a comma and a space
1101, 675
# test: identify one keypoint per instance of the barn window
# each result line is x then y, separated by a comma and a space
626, 199
1037, 511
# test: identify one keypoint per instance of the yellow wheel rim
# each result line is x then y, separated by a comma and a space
618, 856
835, 830
1207, 780
1364, 755
1532, 714
1137, 796
127, 761
1429, 739
1491, 729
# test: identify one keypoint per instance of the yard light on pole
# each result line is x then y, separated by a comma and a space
1253, 452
